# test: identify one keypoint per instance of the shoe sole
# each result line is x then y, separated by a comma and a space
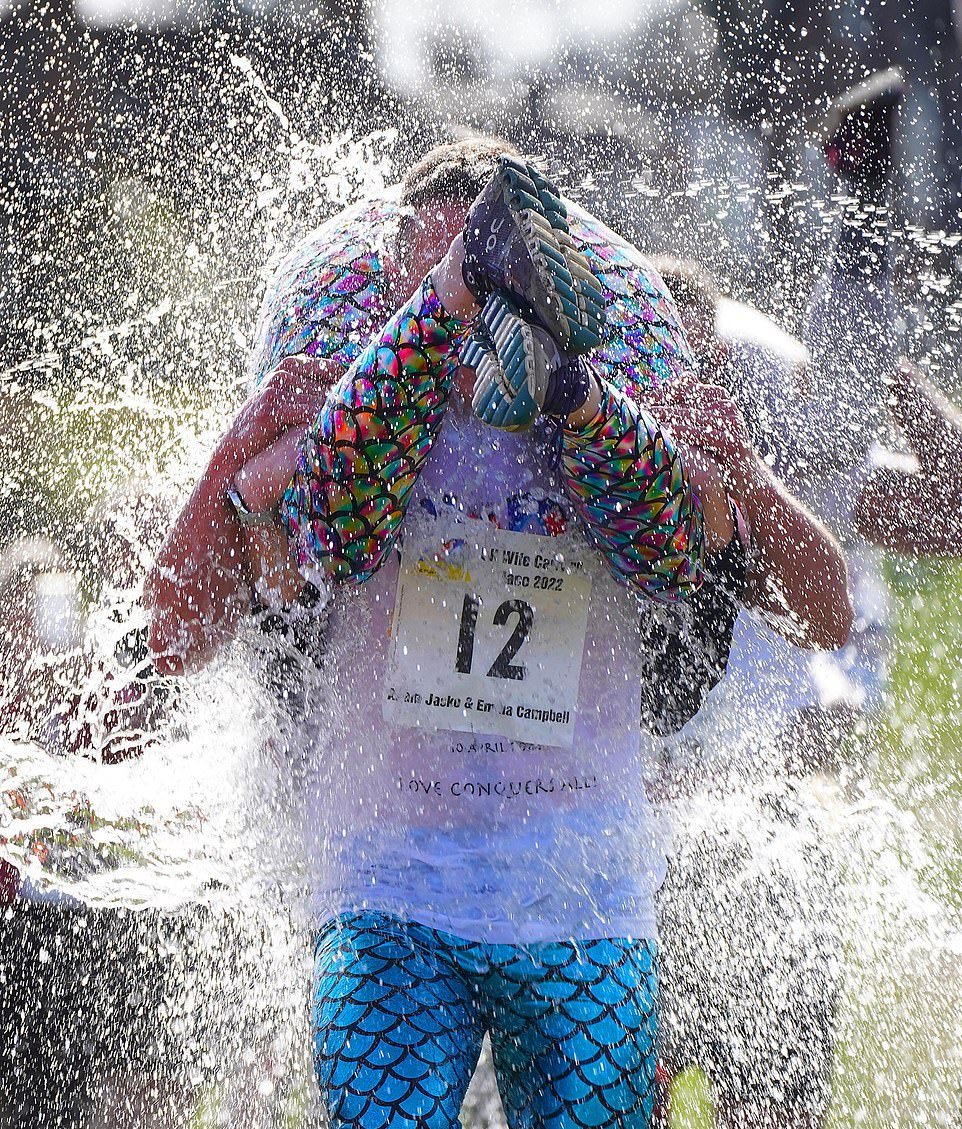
510, 366
570, 303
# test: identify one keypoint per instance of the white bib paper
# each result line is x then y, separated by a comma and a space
488, 635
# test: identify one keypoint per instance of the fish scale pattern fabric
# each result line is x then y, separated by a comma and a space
626, 480
328, 296
643, 345
399, 1012
361, 458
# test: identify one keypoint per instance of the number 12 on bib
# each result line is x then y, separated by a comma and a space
471, 653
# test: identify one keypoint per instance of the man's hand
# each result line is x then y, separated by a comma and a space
797, 578
262, 480
291, 396
705, 418
202, 581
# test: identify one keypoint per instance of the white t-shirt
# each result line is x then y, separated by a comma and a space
480, 766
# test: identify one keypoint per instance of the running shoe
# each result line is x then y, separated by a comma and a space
520, 372
516, 241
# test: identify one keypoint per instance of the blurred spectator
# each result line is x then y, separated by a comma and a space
816, 422
39, 616
41, 627
913, 505
80, 1027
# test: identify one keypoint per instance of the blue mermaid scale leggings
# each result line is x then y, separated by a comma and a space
399, 1012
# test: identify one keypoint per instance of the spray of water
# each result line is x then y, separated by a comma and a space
117, 399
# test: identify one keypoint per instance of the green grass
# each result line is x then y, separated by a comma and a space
920, 757
691, 1101
898, 1061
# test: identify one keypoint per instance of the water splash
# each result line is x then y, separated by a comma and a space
153, 374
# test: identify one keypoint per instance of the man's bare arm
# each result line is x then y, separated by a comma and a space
364, 439
262, 483
797, 578
201, 584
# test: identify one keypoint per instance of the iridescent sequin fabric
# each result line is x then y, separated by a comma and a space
362, 457
327, 298
626, 480
643, 345
360, 460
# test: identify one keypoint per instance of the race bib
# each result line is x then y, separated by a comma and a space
488, 635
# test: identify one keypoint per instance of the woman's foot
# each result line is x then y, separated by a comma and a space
516, 242
520, 372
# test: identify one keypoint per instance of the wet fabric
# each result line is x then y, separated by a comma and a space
360, 460
464, 826
362, 456
627, 481
329, 296
457, 825
686, 649
399, 1012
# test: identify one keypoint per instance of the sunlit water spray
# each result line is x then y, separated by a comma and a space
205, 819
116, 413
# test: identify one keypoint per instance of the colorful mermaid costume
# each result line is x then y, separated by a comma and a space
483, 856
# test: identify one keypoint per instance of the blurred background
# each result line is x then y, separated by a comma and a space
155, 162
155, 158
